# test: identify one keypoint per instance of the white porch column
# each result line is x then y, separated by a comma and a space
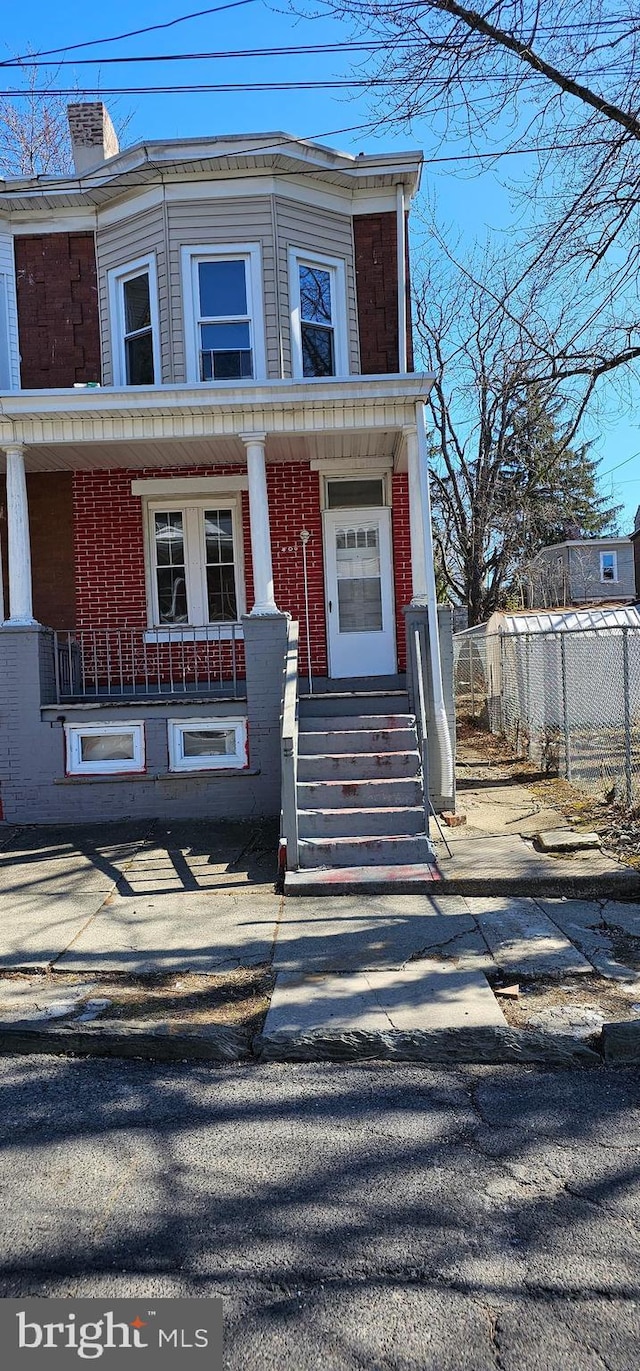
416, 518
18, 544
264, 602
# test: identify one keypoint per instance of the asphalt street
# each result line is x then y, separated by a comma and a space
382, 1217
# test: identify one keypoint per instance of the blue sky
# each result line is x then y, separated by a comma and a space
469, 207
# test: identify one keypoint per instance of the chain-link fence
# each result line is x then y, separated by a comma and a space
569, 700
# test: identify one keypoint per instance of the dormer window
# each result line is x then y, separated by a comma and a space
223, 313
135, 332
318, 315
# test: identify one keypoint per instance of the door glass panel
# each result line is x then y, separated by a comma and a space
359, 579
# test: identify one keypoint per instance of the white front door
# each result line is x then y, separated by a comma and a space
359, 581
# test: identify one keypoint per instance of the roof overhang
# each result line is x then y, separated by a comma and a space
362, 419
148, 164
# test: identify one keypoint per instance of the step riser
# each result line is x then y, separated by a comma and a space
314, 853
359, 766
391, 740
328, 707
358, 794
360, 823
355, 723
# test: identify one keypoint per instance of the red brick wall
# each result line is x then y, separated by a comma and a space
49, 496
375, 238
58, 320
109, 552
401, 559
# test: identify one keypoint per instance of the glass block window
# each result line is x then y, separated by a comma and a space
207, 744
104, 748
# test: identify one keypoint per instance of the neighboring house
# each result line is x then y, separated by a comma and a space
635, 541
210, 429
581, 571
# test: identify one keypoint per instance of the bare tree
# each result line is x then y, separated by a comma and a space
34, 136
506, 473
503, 76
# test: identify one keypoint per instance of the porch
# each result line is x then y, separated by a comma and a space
204, 521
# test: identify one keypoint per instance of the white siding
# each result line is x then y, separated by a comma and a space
9, 350
315, 230
199, 222
135, 235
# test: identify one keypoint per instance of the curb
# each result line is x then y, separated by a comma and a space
152, 1041
469, 1045
160, 1042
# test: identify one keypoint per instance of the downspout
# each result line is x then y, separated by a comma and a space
445, 751
402, 281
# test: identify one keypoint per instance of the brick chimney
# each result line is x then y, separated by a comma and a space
93, 137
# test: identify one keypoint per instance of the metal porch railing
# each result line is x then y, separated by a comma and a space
135, 663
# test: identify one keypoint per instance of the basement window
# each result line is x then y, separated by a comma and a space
207, 744
104, 749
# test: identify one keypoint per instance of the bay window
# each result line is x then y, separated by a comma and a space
223, 313
318, 315
135, 333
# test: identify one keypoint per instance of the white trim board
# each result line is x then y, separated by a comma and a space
189, 486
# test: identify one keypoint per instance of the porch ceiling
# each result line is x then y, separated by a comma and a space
357, 419
361, 448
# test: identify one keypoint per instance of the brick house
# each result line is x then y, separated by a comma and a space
215, 473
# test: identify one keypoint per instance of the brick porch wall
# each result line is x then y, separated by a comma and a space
109, 550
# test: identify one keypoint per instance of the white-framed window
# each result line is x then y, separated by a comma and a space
609, 566
195, 566
104, 749
207, 744
317, 287
223, 313
135, 327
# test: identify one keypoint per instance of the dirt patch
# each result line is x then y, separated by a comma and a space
239, 998
590, 993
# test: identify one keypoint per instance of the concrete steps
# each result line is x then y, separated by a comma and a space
360, 794
369, 850
381, 821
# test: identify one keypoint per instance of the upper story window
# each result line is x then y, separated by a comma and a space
318, 315
135, 334
608, 566
224, 330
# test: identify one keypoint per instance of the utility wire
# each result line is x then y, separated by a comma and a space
133, 33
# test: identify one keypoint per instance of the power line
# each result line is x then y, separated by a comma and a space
621, 464
347, 45
133, 33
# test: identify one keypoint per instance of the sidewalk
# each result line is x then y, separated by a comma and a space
162, 941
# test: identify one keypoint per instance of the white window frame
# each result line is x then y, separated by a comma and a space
116, 281
192, 509
336, 268
75, 766
609, 580
176, 728
251, 254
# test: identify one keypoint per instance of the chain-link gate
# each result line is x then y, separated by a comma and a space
568, 699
